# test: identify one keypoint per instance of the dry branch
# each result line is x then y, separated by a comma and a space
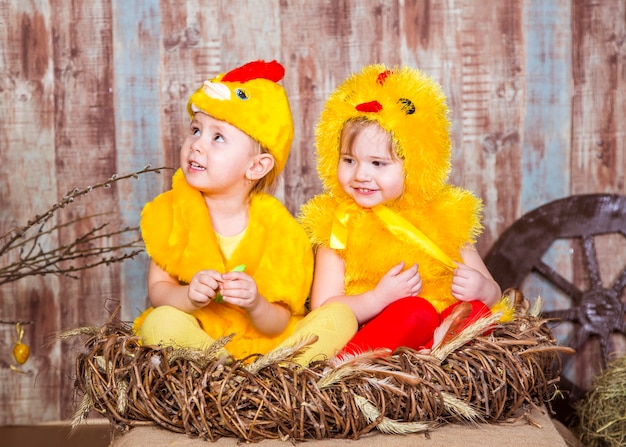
23, 253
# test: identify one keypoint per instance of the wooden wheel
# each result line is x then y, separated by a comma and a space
596, 310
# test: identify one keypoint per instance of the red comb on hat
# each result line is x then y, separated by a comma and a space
255, 70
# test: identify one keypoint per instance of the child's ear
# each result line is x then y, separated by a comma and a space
262, 164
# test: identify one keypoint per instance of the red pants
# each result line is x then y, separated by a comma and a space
408, 322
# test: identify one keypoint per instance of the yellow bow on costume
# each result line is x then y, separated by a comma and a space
395, 223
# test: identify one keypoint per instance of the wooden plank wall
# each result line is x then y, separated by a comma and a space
88, 89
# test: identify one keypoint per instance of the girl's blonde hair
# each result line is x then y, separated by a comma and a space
353, 127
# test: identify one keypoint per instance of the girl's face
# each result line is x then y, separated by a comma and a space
216, 155
367, 171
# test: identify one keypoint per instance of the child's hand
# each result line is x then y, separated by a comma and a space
469, 284
398, 284
203, 287
239, 288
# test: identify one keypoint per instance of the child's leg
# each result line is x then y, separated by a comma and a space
407, 322
168, 326
333, 323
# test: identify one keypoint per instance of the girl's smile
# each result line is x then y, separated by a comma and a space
367, 171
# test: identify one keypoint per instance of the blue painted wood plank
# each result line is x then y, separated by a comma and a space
546, 144
547, 117
137, 123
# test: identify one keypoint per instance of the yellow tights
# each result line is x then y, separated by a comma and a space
333, 323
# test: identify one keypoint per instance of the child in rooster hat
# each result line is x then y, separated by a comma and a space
227, 257
393, 241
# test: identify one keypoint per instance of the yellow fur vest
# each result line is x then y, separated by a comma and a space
450, 220
179, 237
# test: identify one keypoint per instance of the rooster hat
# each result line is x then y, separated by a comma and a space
250, 98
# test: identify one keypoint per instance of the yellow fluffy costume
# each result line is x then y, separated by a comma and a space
178, 233
412, 109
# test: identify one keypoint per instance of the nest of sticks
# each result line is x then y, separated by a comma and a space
469, 379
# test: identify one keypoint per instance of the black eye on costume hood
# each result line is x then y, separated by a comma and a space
407, 106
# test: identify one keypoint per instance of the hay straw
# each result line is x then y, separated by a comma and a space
79, 416
281, 354
460, 407
386, 425
602, 411
472, 331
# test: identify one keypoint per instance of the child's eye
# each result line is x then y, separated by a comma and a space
219, 138
195, 131
347, 160
379, 163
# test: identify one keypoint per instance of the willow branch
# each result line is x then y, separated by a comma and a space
88, 250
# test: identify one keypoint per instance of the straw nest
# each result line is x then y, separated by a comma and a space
602, 411
470, 378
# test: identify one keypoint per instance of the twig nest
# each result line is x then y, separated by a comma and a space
487, 378
602, 411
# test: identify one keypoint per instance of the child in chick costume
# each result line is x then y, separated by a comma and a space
226, 257
393, 240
